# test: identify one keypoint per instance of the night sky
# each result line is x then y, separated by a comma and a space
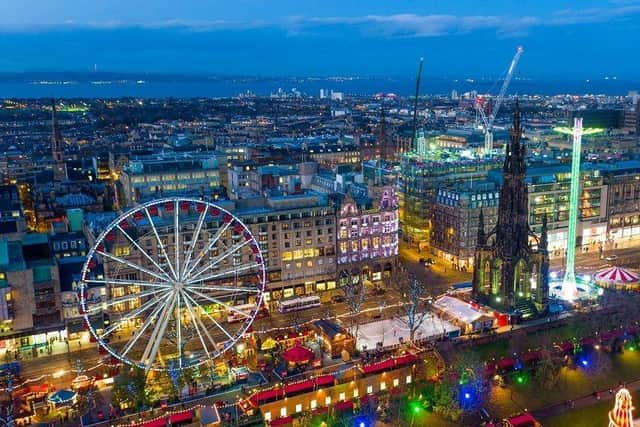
562, 39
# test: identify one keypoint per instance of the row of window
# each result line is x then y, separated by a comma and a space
313, 404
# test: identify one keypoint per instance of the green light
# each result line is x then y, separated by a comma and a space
415, 407
577, 131
520, 380
632, 348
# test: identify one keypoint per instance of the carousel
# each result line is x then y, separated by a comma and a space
617, 278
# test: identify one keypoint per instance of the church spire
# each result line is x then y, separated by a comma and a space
57, 153
515, 153
544, 238
482, 237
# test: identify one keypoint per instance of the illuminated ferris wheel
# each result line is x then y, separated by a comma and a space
181, 281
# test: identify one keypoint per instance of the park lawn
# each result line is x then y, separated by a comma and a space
591, 416
573, 383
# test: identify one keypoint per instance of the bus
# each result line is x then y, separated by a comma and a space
297, 304
233, 315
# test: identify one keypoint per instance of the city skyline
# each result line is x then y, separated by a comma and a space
328, 38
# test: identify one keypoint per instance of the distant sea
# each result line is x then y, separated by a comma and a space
115, 86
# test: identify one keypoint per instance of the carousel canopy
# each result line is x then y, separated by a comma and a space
617, 275
61, 396
297, 354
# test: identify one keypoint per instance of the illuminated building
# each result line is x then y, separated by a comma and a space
455, 219
509, 272
30, 312
367, 240
421, 176
11, 214
623, 200
160, 175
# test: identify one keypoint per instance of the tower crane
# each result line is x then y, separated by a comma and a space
414, 136
488, 121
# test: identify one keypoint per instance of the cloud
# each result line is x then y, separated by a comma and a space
389, 26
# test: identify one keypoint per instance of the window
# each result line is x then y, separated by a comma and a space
267, 416
121, 251
283, 411
356, 392
383, 385
287, 256
327, 400
299, 407
314, 404
369, 389
408, 379
396, 382
342, 397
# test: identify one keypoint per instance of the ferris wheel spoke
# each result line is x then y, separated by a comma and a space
241, 289
143, 252
178, 315
222, 273
210, 244
144, 307
219, 258
176, 239
132, 265
142, 329
192, 245
195, 320
214, 321
217, 301
128, 282
153, 345
159, 241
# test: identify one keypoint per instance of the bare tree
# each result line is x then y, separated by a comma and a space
413, 309
354, 295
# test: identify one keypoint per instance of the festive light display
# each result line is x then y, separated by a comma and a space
621, 414
569, 288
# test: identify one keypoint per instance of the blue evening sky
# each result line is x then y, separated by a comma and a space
562, 39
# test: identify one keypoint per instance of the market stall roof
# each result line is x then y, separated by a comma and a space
617, 275
283, 421
325, 380
298, 387
269, 344
298, 354
522, 420
181, 417
344, 406
209, 415
61, 396
262, 396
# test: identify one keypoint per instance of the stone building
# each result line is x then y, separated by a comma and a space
511, 273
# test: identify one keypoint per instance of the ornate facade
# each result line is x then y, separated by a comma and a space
368, 238
511, 262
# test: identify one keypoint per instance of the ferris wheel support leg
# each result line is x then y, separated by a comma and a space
151, 350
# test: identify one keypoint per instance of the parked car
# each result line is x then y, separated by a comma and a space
611, 257
337, 298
